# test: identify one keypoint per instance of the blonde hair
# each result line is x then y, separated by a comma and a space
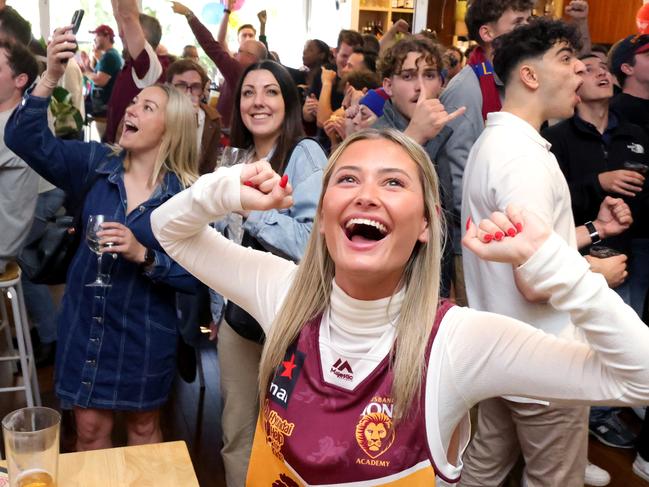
178, 151
310, 292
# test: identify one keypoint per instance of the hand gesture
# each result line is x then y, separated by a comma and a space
310, 108
231, 5
511, 237
612, 268
116, 238
180, 9
327, 76
429, 118
263, 189
334, 127
621, 181
613, 218
401, 26
262, 16
59, 50
577, 10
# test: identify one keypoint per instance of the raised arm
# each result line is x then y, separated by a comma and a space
64, 163
328, 78
263, 18
229, 67
511, 358
127, 16
577, 11
390, 37
256, 281
222, 35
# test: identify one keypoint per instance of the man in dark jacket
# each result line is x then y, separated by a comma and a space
601, 154
629, 62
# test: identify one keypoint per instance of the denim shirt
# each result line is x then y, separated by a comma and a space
286, 232
116, 345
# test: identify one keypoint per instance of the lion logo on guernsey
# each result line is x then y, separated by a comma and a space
374, 433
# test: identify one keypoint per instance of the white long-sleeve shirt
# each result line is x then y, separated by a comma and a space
476, 355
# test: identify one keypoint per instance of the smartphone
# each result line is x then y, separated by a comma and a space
76, 20
636, 166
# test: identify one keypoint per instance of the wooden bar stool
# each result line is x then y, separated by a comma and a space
11, 287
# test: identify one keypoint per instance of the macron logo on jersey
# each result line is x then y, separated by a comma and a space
342, 370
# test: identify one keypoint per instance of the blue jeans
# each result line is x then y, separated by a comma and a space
38, 300
633, 292
639, 273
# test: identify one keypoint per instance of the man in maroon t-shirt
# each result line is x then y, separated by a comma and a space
250, 51
140, 35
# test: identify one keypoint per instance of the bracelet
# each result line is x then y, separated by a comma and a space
227, 11
592, 231
48, 82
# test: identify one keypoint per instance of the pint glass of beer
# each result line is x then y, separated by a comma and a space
31, 437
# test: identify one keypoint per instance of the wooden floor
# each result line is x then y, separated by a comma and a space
196, 422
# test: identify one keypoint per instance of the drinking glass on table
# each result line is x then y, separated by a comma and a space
31, 439
94, 226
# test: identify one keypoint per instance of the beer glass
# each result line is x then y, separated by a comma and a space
31, 438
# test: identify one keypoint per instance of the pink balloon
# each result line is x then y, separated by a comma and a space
642, 19
237, 4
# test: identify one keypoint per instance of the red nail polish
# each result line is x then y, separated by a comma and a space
284, 181
499, 235
519, 227
468, 223
249, 184
511, 232
488, 238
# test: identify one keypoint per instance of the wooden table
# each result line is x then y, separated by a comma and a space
158, 465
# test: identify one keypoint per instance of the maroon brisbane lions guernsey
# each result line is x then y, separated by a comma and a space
314, 433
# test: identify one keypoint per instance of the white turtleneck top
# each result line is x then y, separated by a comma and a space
475, 355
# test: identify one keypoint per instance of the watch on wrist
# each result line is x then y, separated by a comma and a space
149, 258
227, 11
592, 231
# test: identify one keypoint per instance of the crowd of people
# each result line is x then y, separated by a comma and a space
381, 239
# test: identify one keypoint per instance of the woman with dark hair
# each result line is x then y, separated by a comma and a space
267, 124
316, 53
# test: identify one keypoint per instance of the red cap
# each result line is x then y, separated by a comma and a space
105, 30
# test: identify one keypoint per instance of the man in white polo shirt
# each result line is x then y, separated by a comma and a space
511, 162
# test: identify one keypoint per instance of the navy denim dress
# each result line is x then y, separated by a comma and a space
117, 345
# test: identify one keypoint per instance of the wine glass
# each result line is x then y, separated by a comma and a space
231, 156
94, 226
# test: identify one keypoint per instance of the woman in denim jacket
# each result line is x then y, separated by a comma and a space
116, 348
266, 122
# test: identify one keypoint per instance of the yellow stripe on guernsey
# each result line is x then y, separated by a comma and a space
266, 470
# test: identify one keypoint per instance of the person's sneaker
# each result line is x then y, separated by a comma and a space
612, 432
595, 476
639, 412
641, 467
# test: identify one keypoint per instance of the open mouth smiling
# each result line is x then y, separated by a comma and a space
130, 127
365, 229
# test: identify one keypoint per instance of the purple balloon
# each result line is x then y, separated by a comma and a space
212, 13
